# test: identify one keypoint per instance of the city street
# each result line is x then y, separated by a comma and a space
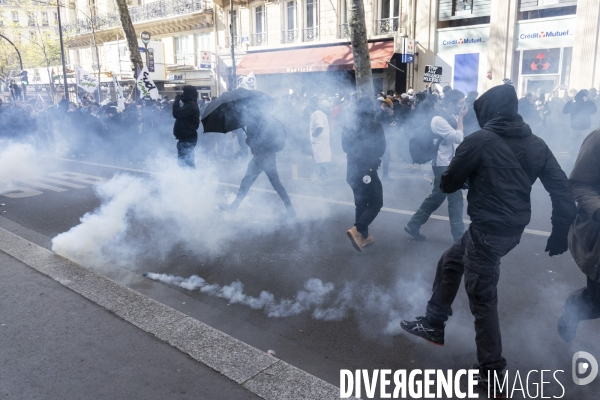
353, 324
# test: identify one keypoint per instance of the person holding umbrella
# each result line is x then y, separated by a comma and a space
187, 121
265, 135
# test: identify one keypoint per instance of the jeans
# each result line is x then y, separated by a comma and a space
434, 201
185, 153
368, 197
266, 162
476, 256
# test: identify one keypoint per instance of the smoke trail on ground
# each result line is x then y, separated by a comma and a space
377, 302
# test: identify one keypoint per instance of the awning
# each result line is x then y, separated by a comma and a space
313, 59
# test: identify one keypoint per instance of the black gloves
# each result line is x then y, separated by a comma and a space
558, 241
177, 98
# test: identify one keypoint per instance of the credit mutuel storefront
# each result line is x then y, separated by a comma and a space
462, 54
543, 53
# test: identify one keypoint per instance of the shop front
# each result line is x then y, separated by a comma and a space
543, 54
462, 54
317, 70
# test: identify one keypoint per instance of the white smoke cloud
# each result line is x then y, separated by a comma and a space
18, 162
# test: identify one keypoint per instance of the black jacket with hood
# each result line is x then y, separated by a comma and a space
581, 111
363, 139
499, 183
187, 117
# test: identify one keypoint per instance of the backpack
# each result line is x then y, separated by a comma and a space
422, 145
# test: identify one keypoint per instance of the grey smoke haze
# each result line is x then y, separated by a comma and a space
18, 162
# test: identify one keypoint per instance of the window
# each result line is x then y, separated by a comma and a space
184, 49
15, 17
45, 19
463, 7
312, 9
31, 35
31, 20
259, 19
390, 9
55, 18
203, 42
290, 15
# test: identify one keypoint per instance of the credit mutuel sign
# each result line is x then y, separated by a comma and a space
556, 32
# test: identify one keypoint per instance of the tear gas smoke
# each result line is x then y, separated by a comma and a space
384, 304
18, 162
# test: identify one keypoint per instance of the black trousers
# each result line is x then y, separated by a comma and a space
368, 197
266, 162
584, 303
185, 153
476, 256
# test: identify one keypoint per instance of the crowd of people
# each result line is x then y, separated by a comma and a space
494, 145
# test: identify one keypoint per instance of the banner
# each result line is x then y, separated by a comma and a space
86, 81
146, 86
119, 92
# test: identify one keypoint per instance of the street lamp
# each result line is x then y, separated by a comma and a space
62, 51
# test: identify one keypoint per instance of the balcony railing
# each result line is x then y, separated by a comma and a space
310, 34
388, 25
344, 31
147, 12
290, 36
237, 41
259, 39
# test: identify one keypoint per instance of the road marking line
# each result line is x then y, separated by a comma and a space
67, 184
43, 186
303, 196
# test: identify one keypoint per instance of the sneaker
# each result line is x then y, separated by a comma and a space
567, 328
355, 238
491, 388
421, 328
368, 241
230, 208
418, 236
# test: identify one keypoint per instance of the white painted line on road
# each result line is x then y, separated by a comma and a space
41, 185
307, 197
253, 369
63, 183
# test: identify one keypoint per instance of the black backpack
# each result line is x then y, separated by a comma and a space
422, 146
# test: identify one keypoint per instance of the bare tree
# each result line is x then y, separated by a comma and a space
130, 35
360, 48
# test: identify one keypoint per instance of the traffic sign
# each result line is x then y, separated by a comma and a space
145, 36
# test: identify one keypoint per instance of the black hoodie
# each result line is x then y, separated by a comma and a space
499, 183
187, 117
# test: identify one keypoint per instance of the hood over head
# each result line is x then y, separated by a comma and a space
581, 94
189, 94
497, 110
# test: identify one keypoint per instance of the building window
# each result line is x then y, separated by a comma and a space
389, 10
463, 7
290, 15
55, 18
259, 19
31, 35
311, 32
31, 20
45, 19
184, 50
15, 17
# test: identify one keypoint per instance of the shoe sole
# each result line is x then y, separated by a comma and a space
427, 340
421, 238
353, 241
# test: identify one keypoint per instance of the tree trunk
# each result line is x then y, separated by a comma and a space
360, 48
130, 35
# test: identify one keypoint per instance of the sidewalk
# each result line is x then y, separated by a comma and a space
58, 345
69, 333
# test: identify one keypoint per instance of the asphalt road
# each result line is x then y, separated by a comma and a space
371, 290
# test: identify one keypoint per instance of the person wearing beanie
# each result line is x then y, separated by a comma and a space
500, 162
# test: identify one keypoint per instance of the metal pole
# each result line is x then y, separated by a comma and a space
62, 51
233, 73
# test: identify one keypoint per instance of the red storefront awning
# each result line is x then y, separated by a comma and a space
314, 59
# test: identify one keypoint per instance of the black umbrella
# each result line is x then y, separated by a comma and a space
223, 114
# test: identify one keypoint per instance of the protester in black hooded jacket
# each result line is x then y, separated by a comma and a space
363, 140
581, 109
500, 162
187, 121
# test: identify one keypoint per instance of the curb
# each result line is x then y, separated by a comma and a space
262, 374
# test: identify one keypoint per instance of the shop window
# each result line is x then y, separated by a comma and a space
540, 62
463, 7
547, 13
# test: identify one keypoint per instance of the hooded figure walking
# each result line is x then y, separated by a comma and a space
584, 238
363, 141
501, 162
581, 109
187, 121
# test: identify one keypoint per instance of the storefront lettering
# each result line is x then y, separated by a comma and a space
299, 69
542, 35
460, 41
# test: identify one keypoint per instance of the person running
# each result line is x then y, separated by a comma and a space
187, 122
448, 125
363, 141
501, 162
